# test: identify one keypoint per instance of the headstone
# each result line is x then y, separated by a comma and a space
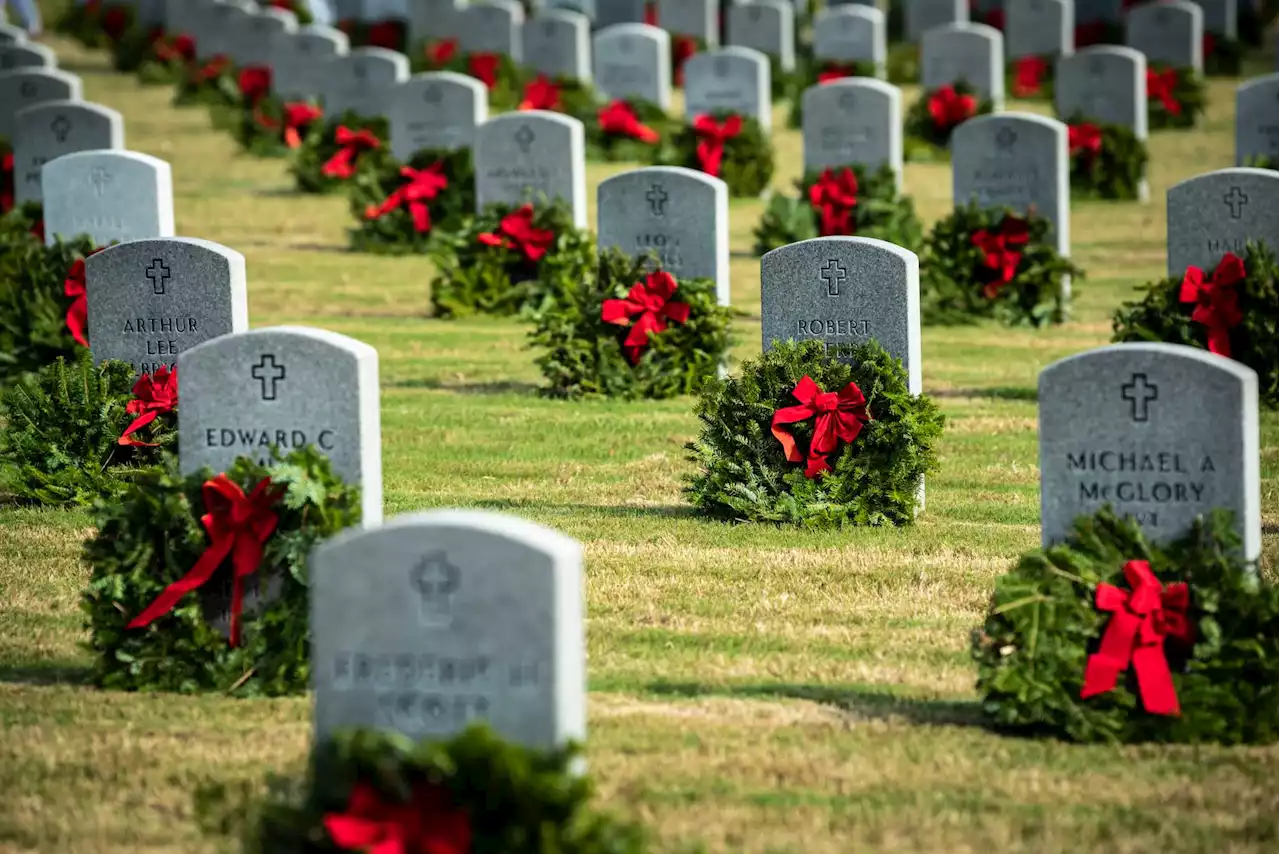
557, 43
227, 29
844, 291
973, 53
582, 7
184, 17
1220, 17
924, 15
634, 61
151, 13
364, 80
1215, 213
1039, 28
1099, 11
696, 18
263, 31
736, 79
431, 20
112, 196
298, 60
453, 617
1256, 119
681, 214
851, 34
610, 12
491, 26
26, 55
436, 110
30, 86
54, 128
1105, 83
287, 386
1170, 33
9, 34
853, 121
767, 26
531, 155
1161, 432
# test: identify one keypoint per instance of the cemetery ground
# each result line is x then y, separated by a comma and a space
754, 688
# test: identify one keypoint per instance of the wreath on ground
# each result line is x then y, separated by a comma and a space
20, 226
993, 262
82, 22
510, 260
399, 207
331, 151
1068, 651
565, 95
1031, 77
1175, 97
389, 33
631, 331
270, 127
498, 72
802, 439
166, 59
77, 433
937, 113
841, 201
812, 71
134, 47
152, 551
473, 792
728, 146
42, 302
1222, 56
1107, 161
1230, 310
628, 129
211, 84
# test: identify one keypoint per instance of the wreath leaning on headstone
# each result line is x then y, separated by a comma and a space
802, 439
848, 200
1110, 637
1107, 161
178, 559
728, 146
810, 71
993, 262
270, 127
331, 151
1175, 97
1031, 77
1230, 310
498, 72
936, 114
632, 130
400, 207
82, 22
631, 331
210, 83
1222, 56
166, 58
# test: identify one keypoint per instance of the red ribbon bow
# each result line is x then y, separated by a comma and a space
351, 144
834, 196
154, 394
386, 34
619, 119
833, 70
651, 299
517, 233
297, 117
7, 189
1003, 251
1217, 302
255, 83
1084, 139
211, 69
1028, 76
541, 94
682, 48
238, 526
1142, 619
74, 286
420, 187
426, 824
484, 67
179, 48
441, 52
712, 136
114, 22
1163, 85
949, 108
838, 416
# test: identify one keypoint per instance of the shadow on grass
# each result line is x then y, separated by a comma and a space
994, 392
54, 673
623, 511
495, 387
863, 702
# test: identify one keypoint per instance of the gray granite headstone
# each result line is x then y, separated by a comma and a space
681, 214
844, 291
54, 128
582, 7
1220, 17
491, 26
9, 34
438, 620
364, 81
1105, 83
1257, 116
183, 17
557, 43
287, 386
529, 156
30, 86
767, 26
150, 300
853, 121
227, 29
1170, 33
736, 79
924, 15
1038, 28
298, 60
973, 53
151, 12
851, 34
610, 12
436, 110
432, 20
112, 196
634, 61
1215, 213
1161, 432
1099, 11
26, 55
697, 18
262, 32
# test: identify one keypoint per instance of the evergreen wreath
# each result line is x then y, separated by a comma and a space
1215, 625
399, 207
82, 22
1107, 161
566, 95
211, 83
1230, 310
510, 260
631, 331
841, 201
474, 793
41, 302
166, 59
750, 467
331, 151
628, 129
388, 33
728, 146
1175, 97
70, 434
938, 112
270, 127
1222, 56
299, 9
134, 47
20, 226
810, 71
153, 536
498, 72
1031, 77
683, 48
1262, 161
993, 262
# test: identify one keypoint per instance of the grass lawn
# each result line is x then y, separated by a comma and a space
754, 688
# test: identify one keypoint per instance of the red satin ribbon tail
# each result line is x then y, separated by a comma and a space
1155, 682
199, 574
141, 421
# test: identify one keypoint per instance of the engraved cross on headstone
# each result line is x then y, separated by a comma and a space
657, 200
834, 275
60, 127
1005, 138
524, 138
1139, 393
436, 580
28, 89
1236, 200
268, 373
99, 178
158, 273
